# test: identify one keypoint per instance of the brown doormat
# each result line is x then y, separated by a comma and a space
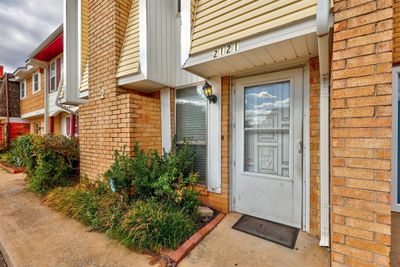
275, 232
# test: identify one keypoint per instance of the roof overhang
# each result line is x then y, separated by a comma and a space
140, 83
49, 48
33, 114
294, 42
23, 72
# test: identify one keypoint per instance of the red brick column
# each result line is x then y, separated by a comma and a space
361, 133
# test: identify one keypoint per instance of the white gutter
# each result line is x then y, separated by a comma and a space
323, 9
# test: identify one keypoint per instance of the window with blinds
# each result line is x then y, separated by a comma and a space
191, 125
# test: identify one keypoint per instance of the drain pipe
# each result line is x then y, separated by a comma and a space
323, 8
8, 112
58, 104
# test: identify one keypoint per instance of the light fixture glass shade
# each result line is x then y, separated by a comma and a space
207, 90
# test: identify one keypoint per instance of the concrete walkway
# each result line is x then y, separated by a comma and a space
225, 246
33, 235
2, 262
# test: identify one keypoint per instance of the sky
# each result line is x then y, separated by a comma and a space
24, 25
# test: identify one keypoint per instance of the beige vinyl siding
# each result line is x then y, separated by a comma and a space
85, 79
218, 22
130, 57
193, 9
84, 46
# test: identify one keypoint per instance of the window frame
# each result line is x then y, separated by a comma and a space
395, 134
22, 83
198, 87
33, 83
55, 76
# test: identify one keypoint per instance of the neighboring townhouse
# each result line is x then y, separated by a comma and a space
40, 84
287, 104
11, 125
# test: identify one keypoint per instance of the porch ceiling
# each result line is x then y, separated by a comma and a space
286, 51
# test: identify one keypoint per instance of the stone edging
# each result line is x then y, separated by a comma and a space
6, 255
13, 170
180, 253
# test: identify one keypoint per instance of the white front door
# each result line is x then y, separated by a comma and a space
268, 133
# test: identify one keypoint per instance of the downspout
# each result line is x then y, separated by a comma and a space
323, 8
58, 104
46, 96
8, 113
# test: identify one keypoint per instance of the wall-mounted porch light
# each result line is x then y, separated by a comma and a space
207, 90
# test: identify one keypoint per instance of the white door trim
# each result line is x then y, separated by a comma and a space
395, 121
306, 148
306, 140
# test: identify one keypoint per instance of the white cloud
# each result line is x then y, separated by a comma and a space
263, 94
24, 25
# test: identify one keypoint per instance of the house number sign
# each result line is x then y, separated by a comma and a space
226, 50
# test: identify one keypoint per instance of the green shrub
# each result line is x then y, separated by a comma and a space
50, 161
120, 172
168, 178
51, 171
22, 152
99, 209
144, 225
150, 225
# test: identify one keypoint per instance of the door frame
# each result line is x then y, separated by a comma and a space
395, 122
305, 224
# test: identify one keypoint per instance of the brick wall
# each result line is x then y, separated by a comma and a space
122, 117
361, 133
396, 32
315, 228
13, 96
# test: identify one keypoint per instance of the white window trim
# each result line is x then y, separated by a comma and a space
207, 183
55, 76
33, 83
165, 97
214, 123
395, 122
20, 89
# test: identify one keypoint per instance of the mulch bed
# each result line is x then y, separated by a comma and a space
173, 257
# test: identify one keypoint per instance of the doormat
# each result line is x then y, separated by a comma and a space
275, 232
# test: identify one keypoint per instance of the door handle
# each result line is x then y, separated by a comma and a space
300, 146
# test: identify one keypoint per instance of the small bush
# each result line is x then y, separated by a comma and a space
168, 178
51, 171
22, 152
120, 172
150, 225
50, 161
